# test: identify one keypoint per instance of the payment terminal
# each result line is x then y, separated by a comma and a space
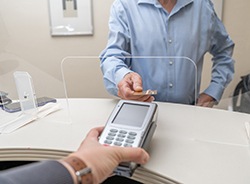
131, 124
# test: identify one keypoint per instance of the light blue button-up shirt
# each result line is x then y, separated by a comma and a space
167, 49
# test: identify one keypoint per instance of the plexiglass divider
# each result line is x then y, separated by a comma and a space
84, 87
83, 78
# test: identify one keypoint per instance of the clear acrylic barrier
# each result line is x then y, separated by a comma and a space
29, 94
83, 77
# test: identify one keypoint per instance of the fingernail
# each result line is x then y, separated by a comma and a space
146, 158
153, 98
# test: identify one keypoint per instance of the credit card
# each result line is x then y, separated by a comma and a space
146, 92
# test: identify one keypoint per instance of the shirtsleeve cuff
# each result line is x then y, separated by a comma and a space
119, 75
215, 90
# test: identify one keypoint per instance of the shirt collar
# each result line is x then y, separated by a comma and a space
147, 1
180, 3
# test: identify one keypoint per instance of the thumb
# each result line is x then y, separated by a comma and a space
137, 82
137, 155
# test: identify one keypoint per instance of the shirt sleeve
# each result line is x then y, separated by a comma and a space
115, 58
223, 64
39, 173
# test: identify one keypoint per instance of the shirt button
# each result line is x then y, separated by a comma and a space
169, 41
170, 62
171, 85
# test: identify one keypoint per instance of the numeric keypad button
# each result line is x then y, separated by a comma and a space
108, 142
113, 130
127, 145
132, 133
110, 138
117, 143
123, 132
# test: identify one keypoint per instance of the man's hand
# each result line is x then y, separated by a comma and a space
205, 100
131, 83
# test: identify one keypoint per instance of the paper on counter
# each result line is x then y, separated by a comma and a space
24, 119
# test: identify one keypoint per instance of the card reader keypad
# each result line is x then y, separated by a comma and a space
120, 137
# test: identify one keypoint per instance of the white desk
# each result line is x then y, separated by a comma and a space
191, 145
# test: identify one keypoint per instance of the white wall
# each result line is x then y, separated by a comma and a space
26, 44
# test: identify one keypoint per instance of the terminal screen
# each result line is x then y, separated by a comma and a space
131, 115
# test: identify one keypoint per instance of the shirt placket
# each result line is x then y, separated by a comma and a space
170, 60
